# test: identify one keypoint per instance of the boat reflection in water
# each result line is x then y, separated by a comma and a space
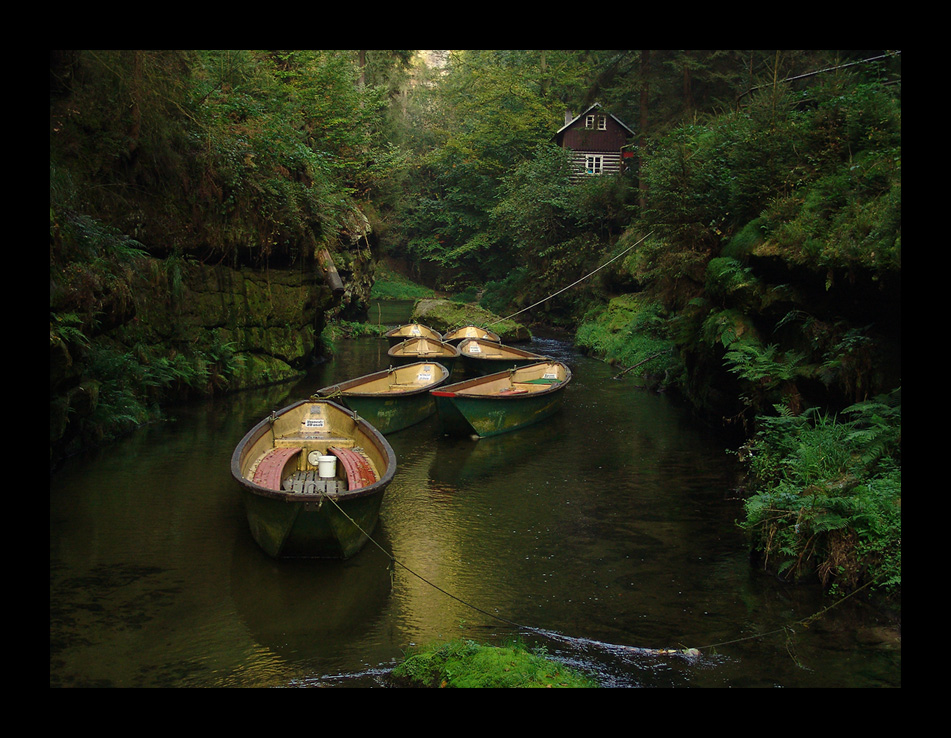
307, 609
462, 462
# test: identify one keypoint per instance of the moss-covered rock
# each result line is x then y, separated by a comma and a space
196, 330
270, 320
466, 664
444, 315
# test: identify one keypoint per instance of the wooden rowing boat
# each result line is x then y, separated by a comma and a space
411, 330
424, 349
502, 402
312, 477
480, 357
392, 399
470, 331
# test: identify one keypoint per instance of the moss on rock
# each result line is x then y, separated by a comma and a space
466, 664
445, 315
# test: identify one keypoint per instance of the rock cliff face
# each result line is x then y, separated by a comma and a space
270, 319
267, 322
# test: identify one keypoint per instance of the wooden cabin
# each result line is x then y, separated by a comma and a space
597, 139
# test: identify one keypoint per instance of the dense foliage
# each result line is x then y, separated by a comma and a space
237, 152
159, 159
829, 499
753, 245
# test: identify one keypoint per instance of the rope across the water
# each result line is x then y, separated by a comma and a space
687, 652
577, 281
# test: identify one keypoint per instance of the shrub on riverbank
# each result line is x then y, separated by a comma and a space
828, 496
389, 284
630, 332
465, 664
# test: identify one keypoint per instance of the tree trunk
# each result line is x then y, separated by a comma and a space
642, 133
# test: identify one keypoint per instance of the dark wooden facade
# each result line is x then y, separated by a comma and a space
597, 139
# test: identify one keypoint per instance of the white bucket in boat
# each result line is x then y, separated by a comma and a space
327, 467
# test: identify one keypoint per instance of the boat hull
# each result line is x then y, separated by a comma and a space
311, 530
389, 415
486, 417
329, 518
480, 358
411, 330
387, 408
414, 350
463, 413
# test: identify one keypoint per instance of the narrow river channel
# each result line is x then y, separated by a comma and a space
600, 535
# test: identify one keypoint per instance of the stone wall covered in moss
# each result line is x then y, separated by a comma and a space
190, 331
270, 319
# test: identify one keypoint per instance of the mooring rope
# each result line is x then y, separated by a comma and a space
687, 652
577, 281
690, 652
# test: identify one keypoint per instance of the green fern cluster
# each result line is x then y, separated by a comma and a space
133, 383
828, 497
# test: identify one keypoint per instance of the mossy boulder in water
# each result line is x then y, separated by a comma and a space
445, 315
465, 664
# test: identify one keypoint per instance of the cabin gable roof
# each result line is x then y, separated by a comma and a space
577, 129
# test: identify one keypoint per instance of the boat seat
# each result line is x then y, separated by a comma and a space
270, 470
309, 482
357, 466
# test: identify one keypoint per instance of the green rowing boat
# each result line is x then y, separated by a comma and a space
470, 331
480, 357
424, 349
312, 478
392, 399
411, 330
502, 402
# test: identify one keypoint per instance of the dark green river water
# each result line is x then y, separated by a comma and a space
608, 530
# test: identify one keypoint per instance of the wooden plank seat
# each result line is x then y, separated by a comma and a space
357, 466
310, 483
270, 469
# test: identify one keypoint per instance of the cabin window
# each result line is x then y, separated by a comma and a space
593, 163
601, 121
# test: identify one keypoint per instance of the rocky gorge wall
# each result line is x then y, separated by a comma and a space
270, 319
224, 329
